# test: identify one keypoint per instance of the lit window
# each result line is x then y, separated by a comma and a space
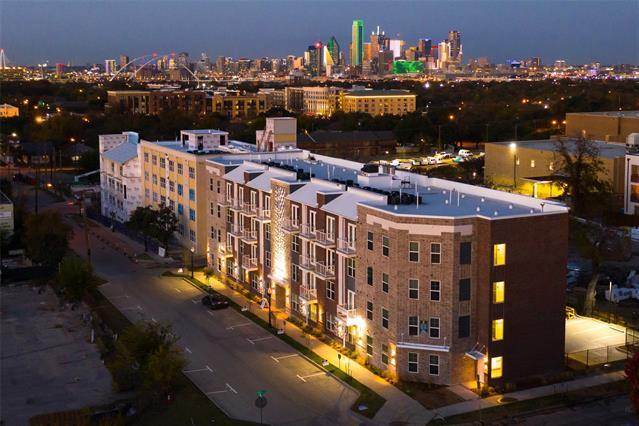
499, 254
532, 163
499, 288
498, 330
496, 367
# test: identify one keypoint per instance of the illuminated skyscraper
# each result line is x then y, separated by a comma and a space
454, 38
357, 42
109, 66
124, 60
314, 59
333, 56
424, 46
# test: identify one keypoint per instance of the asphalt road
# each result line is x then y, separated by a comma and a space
229, 357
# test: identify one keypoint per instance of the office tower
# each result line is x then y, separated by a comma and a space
124, 60
109, 66
59, 70
368, 52
397, 46
424, 46
220, 62
357, 42
443, 54
314, 59
454, 38
333, 56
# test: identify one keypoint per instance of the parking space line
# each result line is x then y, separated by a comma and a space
231, 388
130, 308
303, 378
195, 301
119, 297
252, 341
186, 348
277, 359
177, 289
197, 370
218, 391
233, 327
153, 319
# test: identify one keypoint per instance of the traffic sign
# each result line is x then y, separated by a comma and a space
260, 402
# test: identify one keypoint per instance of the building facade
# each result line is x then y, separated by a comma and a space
9, 111
431, 280
610, 126
631, 190
378, 102
320, 100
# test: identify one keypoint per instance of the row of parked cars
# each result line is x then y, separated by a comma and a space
438, 158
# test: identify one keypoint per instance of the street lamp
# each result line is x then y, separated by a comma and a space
192, 252
268, 298
513, 148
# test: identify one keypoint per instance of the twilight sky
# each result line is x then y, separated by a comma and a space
91, 31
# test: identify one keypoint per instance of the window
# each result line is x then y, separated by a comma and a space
192, 235
211, 186
433, 365
464, 253
499, 288
385, 283
385, 246
146, 157
385, 318
295, 304
496, 367
155, 179
350, 267
413, 362
434, 328
267, 232
179, 169
171, 186
532, 163
213, 233
498, 330
435, 291
499, 254
369, 275
413, 251
369, 240
413, 326
162, 163
463, 323
295, 244
369, 310
330, 290
162, 182
171, 165
369, 345
267, 259
229, 216
384, 354
295, 273
464, 289
435, 253
191, 173
413, 288
192, 194
192, 214
154, 160
146, 176
180, 189
218, 211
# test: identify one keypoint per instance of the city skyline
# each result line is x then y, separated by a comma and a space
497, 34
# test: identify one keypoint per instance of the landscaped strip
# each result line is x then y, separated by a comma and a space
367, 397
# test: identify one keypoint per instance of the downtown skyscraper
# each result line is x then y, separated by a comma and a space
357, 42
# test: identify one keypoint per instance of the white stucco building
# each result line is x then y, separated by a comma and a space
120, 175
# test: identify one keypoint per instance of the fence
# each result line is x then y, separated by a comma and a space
95, 215
605, 354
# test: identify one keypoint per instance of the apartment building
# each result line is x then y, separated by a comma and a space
320, 100
235, 105
631, 190
132, 101
120, 175
432, 280
378, 102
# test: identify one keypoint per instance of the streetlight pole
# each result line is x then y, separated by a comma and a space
513, 148
192, 252
268, 298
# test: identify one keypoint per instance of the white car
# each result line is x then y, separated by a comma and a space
430, 160
464, 153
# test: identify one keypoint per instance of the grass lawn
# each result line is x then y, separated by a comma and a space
372, 400
430, 396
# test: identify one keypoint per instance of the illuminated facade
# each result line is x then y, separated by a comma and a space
357, 43
431, 280
378, 102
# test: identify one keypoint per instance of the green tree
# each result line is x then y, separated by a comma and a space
164, 224
162, 369
75, 275
141, 220
588, 238
208, 273
46, 238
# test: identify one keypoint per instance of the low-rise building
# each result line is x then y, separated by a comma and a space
356, 145
378, 102
9, 111
609, 126
6, 216
529, 166
131, 101
631, 190
320, 100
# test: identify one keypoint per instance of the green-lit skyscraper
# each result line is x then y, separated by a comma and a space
334, 53
357, 43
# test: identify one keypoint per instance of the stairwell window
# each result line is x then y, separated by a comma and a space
499, 254
498, 329
496, 367
499, 288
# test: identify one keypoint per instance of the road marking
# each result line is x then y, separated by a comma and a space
153, 319
238, 325
231, 388
119, 297
210, 313
129, 308
195, 301
303, 378
219, 391
197, 370
277, 359
177, 289
252, 341
186, 348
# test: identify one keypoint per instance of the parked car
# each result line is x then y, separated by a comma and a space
464, 153
215, 301
430, 160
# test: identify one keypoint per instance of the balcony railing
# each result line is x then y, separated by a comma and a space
249, 209
249, 262
634, 178
291, 225
263, 214
223, 200
308, 294
236, 205
326, 271
307, 262
324, 238
226, 250
249, 235
236, 230
346, 247
345, 311
308, 231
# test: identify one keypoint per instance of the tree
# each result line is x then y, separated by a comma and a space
46, 238
76, 277
163, 368
165, 224
141, 220
578, 173
208, 273
588, 239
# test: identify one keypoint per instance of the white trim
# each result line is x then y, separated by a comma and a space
423, 347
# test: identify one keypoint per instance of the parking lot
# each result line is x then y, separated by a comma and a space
48, 363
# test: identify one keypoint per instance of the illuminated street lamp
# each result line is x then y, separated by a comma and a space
192, 252
513, 148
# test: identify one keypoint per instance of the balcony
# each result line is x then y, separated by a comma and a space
307, 263
308, 294
249, 209
249, 236
308, 232
345, 311
236, 230
324, 270
249, 263
263, 215
225, 250
290, 225
346, 247
325, 239
223, 200
236, 205
634, 178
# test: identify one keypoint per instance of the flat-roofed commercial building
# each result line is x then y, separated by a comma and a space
529, 165
9, 111
378, 102
431, 280
132, 101
610, 126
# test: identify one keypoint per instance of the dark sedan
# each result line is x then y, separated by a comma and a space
215, 301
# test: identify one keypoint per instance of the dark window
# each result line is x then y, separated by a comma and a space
464, 326
385, 246
464, 253
464, 289
370, 240
369, 310
369, 275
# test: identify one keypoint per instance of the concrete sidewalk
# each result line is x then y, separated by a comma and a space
558, 388
399, 407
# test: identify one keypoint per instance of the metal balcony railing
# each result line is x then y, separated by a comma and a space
326, 271
308, 294
249, 262
324, 238
223, 200
346, 247
291, 225
308, 231
249, 209
249, 235
345, 311
307, 262
263, 214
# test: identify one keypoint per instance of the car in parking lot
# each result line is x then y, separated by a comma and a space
215, 301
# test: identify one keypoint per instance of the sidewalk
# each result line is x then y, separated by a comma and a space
399, 407
558, 388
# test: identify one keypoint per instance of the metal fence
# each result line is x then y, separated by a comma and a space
605, 354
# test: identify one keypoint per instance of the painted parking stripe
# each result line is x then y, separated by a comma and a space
233, 327
252, 341
186, 348
277, 359
231, 388
303, 378
197, 370
177, 289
